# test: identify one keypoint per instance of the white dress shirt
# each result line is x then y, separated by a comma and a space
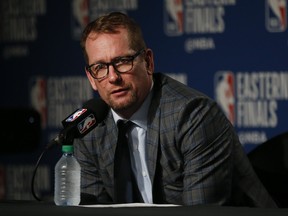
137, 140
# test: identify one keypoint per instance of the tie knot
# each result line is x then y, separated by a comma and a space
124, 125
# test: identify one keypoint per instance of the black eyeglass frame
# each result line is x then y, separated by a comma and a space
127, 58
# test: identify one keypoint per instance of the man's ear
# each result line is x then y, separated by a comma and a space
149, 61
91, 80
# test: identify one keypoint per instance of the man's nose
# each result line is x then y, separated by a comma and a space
113, 75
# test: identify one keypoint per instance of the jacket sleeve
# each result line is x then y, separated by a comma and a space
206, 140
92, 187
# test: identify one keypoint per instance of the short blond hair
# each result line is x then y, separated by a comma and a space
109, 24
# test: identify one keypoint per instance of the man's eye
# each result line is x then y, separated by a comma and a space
98, 67
122, 61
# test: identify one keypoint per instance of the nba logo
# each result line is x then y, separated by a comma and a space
75, 115
80, 17
38, 98
225, 93
276, 15
173, 17
87, 123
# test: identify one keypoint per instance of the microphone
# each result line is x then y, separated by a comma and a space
81, 122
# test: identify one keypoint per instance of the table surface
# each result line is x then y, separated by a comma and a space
47, 208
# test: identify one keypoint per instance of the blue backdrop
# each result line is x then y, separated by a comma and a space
234, 51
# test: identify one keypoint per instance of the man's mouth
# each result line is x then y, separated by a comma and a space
119, 92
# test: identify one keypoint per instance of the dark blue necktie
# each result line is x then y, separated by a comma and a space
126, 189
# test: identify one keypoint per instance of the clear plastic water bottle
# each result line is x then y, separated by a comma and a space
67, 179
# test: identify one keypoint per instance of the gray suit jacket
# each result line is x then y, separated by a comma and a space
193, 153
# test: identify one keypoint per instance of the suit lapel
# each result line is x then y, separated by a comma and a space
108, 146
153, 131
152, 147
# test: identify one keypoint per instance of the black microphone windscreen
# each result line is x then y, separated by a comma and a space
81, 122
98, 107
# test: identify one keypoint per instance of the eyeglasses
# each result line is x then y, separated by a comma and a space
121, 65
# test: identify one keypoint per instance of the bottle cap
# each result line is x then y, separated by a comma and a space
67, 148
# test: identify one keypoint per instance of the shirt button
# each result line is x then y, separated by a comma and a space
144, 174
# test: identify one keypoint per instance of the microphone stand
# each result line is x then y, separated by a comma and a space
52, 143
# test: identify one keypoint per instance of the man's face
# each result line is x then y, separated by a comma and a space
124, 92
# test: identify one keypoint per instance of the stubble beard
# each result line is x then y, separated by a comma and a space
123, 105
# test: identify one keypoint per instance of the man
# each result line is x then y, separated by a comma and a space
182, 147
